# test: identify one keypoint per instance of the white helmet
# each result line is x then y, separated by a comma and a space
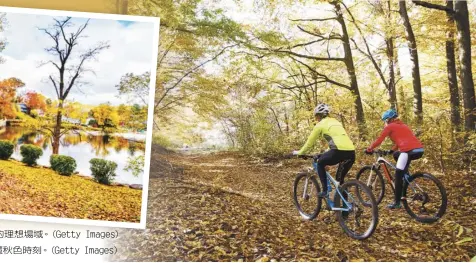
322, 109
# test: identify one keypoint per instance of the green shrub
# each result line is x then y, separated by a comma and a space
6, 149
62, 164
30, 154
103, 170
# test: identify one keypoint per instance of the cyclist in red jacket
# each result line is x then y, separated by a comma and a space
408, 146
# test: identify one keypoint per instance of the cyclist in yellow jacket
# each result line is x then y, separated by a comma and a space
341, 149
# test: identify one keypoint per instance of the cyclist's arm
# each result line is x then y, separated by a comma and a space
394, 147
311, 140
383, 135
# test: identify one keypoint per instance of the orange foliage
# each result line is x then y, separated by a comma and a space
7, 94
35, 100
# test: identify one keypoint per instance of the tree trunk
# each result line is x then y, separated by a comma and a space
464, 41
57, 131
403, 110
349, 63
412, 45
451, 68
392, 92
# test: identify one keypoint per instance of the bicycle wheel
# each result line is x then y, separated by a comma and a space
361, 221
373, 179
305, 196
425, 197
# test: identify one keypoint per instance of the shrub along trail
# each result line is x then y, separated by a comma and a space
42, 192
227, 207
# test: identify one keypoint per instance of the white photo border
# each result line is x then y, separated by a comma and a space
150, 117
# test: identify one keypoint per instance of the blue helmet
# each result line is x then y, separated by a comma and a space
389, 114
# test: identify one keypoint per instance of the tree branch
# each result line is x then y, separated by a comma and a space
314, 19
325, 77
56, 87
434, 6
333, 36
190, 72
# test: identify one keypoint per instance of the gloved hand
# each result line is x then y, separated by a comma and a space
368, 151
295, 152
390, 151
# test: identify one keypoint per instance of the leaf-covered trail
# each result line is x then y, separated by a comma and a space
227, 207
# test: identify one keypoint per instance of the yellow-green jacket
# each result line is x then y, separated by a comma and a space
331, 130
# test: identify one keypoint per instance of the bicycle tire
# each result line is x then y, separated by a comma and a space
381, 181
441, 188
374, 222
295, 197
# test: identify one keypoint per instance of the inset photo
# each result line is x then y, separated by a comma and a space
76, 106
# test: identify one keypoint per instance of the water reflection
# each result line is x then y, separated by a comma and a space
82, 147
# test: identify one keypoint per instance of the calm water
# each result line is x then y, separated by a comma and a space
82, 147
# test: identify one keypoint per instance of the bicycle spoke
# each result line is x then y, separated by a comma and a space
306, 196
360, 220
425, 201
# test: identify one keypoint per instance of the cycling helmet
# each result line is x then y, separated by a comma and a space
322, 109
389, 114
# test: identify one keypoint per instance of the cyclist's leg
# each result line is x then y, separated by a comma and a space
399, 173
414, 154
327, 158
396, 154
347, 159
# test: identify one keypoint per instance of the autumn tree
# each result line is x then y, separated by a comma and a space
76, 110
450, 57
124, 113
105, 115
69, 69
464, 45
8, 89
191, 36
412, 47
35, 100
458, 12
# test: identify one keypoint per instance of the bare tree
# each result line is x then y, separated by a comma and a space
70, 67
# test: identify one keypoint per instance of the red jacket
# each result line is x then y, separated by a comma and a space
401, 135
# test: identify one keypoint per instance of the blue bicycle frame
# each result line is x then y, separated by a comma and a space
331, 182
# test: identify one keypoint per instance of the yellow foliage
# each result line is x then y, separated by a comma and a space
42, 192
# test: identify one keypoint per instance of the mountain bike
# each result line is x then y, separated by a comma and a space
424, 196
358, 217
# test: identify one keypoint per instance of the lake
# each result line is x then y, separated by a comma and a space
82, 147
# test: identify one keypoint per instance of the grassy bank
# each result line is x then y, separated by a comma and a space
42, 192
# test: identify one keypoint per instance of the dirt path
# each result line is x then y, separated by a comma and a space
225, 207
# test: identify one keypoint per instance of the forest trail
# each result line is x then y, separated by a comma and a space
228, 207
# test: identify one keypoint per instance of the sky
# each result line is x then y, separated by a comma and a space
131, 47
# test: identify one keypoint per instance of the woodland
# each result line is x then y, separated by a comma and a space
255, 70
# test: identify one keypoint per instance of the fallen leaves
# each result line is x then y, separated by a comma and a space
42, 192
466, 239
245, 213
